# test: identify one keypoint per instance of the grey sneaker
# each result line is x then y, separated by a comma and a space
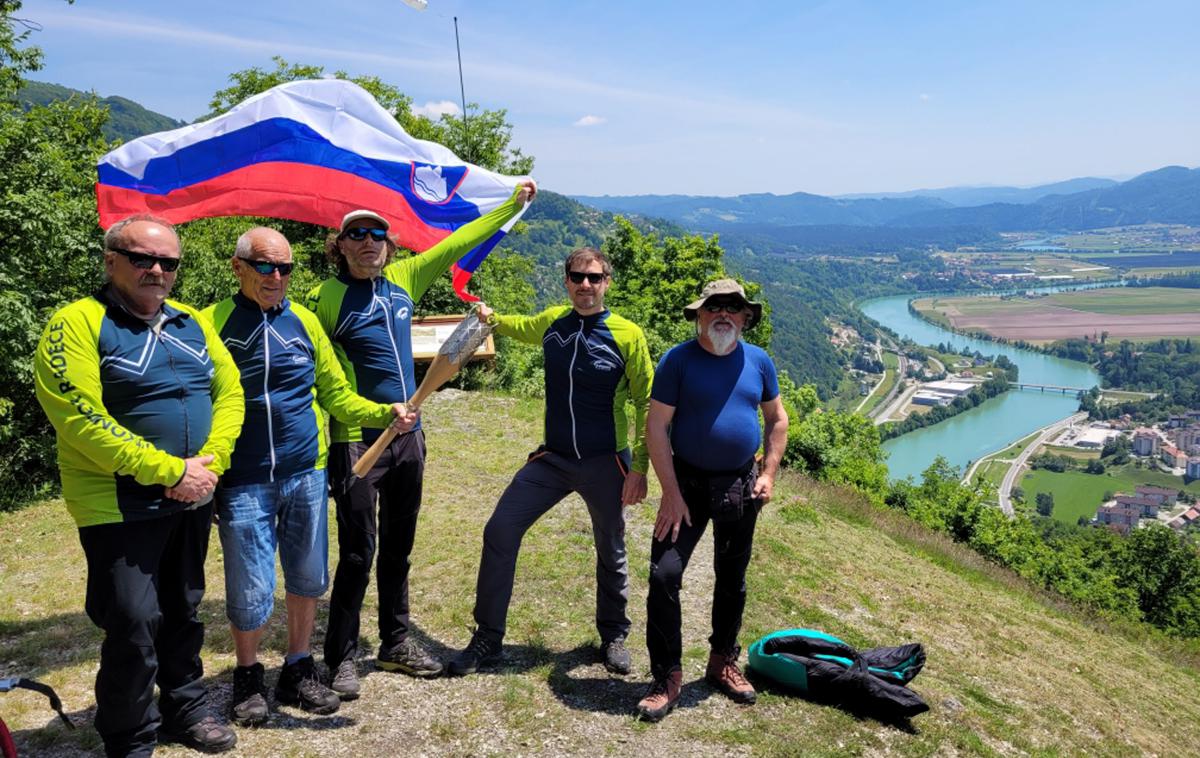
482, 651
344, 681
409, 658
249, 705
300, 685
616, 656
206, 735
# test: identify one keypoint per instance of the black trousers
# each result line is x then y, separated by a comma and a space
377, 511
145, 582
541, 483
732, 544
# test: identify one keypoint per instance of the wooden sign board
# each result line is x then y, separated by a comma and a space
429, 332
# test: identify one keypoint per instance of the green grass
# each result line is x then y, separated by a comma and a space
824, 558
1130, 300
1079, 494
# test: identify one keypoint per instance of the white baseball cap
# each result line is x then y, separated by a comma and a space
359, 215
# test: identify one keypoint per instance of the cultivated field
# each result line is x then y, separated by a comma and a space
1123, 312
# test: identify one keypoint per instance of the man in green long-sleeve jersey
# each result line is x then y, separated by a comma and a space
367, 312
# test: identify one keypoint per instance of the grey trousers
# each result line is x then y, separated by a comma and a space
540, 484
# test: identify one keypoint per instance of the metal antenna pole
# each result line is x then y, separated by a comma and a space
462, 91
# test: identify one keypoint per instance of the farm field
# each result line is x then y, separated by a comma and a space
1125, 313
1078, 494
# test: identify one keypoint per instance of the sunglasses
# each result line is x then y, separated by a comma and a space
727, 307
594, 277
266, 268
360, 233
145, 261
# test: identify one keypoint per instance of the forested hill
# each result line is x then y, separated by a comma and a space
126, 119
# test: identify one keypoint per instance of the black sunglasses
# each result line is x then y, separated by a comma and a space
727, 307
146, 261
359, 233
266, 268
578, 276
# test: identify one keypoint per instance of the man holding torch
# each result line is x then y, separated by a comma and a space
366, 310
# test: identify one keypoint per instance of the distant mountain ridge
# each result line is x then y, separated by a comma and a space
126, 119
1168, 195
971, 196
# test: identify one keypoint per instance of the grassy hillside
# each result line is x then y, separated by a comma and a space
1010, 671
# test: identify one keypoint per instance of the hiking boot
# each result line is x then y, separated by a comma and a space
344, 681
661, 698
724, 675
299, 684
616, 656
249, 706
409, 658
206, 735
482, 651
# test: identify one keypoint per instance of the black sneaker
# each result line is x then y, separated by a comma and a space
344, 681
482, 651
300, 685
409, 658
249, 706
206, 735
616, 656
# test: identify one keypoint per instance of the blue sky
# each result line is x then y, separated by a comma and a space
699, 97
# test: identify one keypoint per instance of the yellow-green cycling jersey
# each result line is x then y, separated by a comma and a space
130, 400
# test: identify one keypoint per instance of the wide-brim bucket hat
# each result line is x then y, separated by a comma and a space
724, 287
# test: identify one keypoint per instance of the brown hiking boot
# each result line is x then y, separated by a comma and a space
661, 698
723, 674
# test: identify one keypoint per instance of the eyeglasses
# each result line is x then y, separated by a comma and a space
359, 233
146, 261
727, 307
594, 277
266, 268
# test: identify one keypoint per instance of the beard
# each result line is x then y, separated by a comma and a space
722, 340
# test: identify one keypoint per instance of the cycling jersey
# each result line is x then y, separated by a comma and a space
593, 365
369, 321
289, 372
130, 401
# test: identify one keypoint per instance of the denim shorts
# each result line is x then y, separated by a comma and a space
290, 513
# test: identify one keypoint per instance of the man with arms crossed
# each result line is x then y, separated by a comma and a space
594, 361
146, 405
703, 434
275, 493
366, 311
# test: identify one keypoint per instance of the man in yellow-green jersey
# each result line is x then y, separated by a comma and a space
146, 404
367, 312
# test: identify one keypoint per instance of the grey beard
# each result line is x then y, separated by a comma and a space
722, 342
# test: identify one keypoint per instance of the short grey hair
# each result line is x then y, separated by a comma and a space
245, 243
115, 236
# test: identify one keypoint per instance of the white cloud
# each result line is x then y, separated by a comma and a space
590, 120
435, 110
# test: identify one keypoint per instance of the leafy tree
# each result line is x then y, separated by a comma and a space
48, 221
1045, 504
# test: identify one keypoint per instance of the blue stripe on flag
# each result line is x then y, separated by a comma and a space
288, 141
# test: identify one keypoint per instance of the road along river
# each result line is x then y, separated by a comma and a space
992, 425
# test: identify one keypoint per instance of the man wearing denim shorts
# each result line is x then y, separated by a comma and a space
275, 492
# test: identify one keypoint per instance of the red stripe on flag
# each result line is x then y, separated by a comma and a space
295, 191
459, 278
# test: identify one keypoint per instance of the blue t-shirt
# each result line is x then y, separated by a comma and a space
716, 400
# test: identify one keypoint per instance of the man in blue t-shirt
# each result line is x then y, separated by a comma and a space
703, 433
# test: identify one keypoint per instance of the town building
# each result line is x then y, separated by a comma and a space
1119, 518
1145, 442
1193, 467
1147, 507
1173, 456
1185, 518
1163, 495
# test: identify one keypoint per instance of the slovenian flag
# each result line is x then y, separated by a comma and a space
307, 151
